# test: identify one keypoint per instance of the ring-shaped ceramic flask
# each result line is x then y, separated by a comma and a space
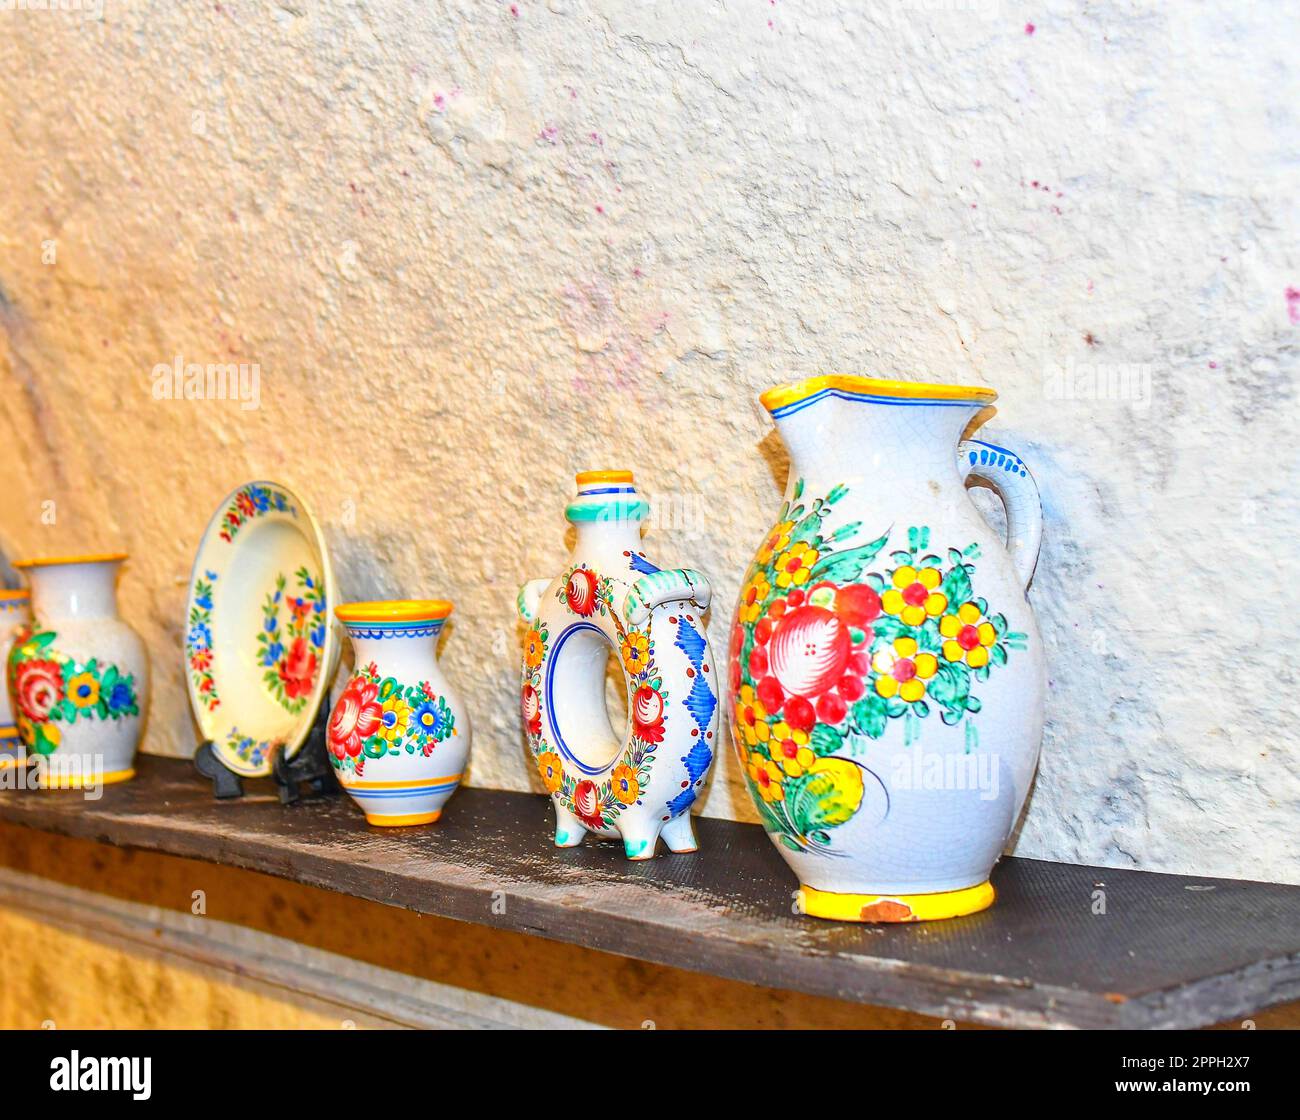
610, 600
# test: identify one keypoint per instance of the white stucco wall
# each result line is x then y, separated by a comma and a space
473, 247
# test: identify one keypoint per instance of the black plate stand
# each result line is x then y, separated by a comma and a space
311, 765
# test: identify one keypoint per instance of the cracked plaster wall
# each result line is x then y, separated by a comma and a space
473, 247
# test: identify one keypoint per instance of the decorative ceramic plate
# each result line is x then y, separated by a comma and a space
260, 647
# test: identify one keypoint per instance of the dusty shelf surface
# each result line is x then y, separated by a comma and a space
1064, 946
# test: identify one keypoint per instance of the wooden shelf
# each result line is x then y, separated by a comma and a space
1169, 951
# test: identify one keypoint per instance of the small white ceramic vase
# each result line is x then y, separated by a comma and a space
887, 674
78, 675
635, 783
15, 611
399, 735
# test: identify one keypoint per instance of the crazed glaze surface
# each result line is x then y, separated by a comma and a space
574, 236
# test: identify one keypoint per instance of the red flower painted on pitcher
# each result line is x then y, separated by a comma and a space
531, 707
355, 718
737, 641
809, 651
856, 604
581, 592
648, 715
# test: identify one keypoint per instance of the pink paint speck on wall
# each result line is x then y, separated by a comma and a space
1030, 29
1293, 304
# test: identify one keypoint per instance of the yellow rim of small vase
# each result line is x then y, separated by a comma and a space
80, 781
794, 391
394, 610
14, 596
897, 907
53, 561
591, 478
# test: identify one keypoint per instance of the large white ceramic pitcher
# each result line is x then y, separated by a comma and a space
886, 673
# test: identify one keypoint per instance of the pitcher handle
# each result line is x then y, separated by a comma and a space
1006, 473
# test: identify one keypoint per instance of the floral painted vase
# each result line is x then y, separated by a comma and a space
78, 675
15, 611
886, 673
398, 737
638, 783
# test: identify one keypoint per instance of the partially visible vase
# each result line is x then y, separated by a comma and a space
78, 675
15, 610
399, 735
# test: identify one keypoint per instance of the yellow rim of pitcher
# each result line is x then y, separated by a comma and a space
780, 396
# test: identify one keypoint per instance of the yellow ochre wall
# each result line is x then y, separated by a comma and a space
54, 979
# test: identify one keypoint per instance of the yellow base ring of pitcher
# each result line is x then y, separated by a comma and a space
897, 907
